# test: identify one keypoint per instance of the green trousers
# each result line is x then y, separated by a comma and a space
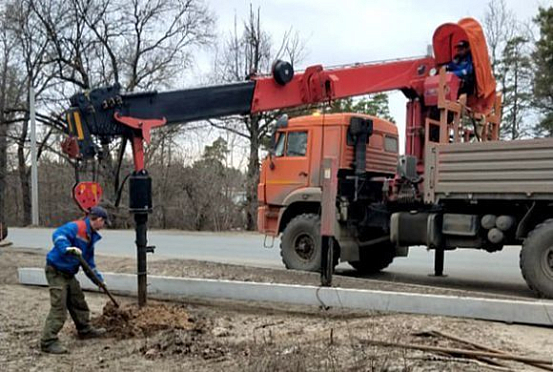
65, 294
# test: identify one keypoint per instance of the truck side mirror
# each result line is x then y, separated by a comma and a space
282, 122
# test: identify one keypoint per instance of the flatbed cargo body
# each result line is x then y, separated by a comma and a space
495, 170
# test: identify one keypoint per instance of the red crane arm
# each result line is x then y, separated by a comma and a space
316, 84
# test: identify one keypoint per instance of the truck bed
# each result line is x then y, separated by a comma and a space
509, 170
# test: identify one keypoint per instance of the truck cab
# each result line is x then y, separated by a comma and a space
290, 188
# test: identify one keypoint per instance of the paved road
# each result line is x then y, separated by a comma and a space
467, 269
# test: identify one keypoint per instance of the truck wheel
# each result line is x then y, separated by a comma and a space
300, 244
374, 259
536, 259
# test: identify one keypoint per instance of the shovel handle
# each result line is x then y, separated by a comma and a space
91, 274
106, 291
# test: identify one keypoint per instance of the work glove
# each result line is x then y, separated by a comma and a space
73, 251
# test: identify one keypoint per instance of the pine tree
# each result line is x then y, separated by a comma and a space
517, 74
543, 61
377, 105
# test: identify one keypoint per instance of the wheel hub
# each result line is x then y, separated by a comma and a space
547, 262
304, 245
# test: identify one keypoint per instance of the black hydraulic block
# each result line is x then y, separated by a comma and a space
140, 192
359, 132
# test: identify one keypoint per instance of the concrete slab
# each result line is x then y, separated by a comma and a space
5, 243
538, 312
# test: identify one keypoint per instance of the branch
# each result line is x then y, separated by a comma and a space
232, 130
43, 143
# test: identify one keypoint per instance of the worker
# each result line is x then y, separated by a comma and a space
462, 67
62, 264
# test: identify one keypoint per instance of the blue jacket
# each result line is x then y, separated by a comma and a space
463, 68
73, 234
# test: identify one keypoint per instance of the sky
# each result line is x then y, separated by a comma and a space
349, 31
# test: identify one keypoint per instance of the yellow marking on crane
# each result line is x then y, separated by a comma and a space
79, 125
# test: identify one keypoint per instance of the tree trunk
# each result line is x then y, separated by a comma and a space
24, 174
515, 103
3, 140
252, 175
3, 165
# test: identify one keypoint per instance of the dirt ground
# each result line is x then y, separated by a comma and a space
238, 336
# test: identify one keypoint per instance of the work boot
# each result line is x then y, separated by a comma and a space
91, 332
54, 348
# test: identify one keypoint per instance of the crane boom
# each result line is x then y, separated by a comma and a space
106, 112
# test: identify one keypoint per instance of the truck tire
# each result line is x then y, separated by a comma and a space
374, 259
300, 244
536, 259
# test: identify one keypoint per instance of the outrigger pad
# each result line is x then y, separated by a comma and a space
87, 194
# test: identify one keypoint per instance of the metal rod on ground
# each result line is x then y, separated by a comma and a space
483, 347
458, 351
92, 275
484, 359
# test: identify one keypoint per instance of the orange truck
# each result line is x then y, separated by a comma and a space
334, 186
290, 189
456, 186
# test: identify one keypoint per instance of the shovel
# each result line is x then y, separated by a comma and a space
92, 275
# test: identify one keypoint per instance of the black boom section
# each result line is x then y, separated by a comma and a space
192, 104
97, 107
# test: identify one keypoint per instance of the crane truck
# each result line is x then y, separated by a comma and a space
335, 183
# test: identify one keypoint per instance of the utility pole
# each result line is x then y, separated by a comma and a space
34, 171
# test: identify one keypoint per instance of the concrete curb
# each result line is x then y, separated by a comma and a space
539, 312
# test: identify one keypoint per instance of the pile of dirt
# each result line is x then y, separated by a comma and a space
167, 329
129, 321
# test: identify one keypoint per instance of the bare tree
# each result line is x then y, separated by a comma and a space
27, 52
6, 51
499, 26
32, 45
510, 56
138, 44
246, 53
